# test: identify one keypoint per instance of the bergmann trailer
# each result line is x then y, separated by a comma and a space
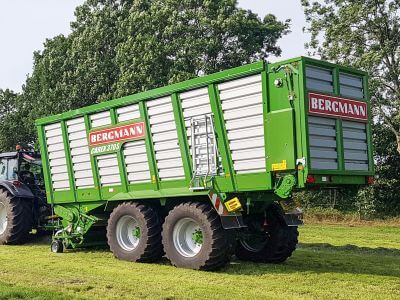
204, 168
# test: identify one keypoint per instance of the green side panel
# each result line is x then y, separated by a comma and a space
336, 180
301, 124
253, 181
339, 142
174, 184
89, 194
110, 192
46, 166
284, 120
94, 194
266, 109
226, 182
63, 197
281, 143
149, 147
142, 190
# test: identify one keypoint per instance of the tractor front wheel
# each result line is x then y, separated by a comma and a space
15, 219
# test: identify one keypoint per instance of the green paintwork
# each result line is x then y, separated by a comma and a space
286, 140
283, 140
69, 163
136, 232
228, 182
95, 193
197, 237
285, 186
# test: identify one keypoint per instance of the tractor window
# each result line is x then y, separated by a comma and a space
3, 169
12, 169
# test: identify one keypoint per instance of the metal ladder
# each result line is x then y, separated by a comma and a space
204, 152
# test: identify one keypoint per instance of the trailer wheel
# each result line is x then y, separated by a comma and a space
57, 246
134, 233
193, 237
274, 245
15, 219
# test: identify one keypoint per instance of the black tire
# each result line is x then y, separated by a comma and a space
19, 219
216, 248
275, 245
57, 246
149, 247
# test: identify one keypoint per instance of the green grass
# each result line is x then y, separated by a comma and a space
332, 262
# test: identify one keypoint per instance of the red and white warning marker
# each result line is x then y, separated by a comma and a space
217, 202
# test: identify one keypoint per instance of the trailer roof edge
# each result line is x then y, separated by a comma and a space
159, 92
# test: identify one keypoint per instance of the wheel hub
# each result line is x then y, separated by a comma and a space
187, 237
128, 233
3, 218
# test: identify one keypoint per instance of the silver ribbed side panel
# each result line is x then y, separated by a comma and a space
165, 139
319, 79
355, 146
79, 148
351, 85
108, 170
57, 159
100, 119
137, 165
242, 107
196, 105
127, 113
322, 139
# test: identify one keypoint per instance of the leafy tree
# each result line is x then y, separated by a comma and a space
11, 122
366, 34
122, 47
173, 40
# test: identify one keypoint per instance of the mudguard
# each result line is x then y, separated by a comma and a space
21, 191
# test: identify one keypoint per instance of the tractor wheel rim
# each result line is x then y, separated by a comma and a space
128, 233
3, 218
187, 237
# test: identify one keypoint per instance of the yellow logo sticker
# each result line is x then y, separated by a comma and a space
279, 166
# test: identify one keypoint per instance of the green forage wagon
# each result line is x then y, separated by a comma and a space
205, 168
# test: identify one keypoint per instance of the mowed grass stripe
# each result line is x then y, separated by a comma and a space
327, 265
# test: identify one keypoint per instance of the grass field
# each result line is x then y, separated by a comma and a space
332, 262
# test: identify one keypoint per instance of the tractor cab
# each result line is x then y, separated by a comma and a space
22, 168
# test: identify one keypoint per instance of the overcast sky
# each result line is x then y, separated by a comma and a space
25, 24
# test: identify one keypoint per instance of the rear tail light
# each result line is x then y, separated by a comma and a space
370, 180
310, 179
